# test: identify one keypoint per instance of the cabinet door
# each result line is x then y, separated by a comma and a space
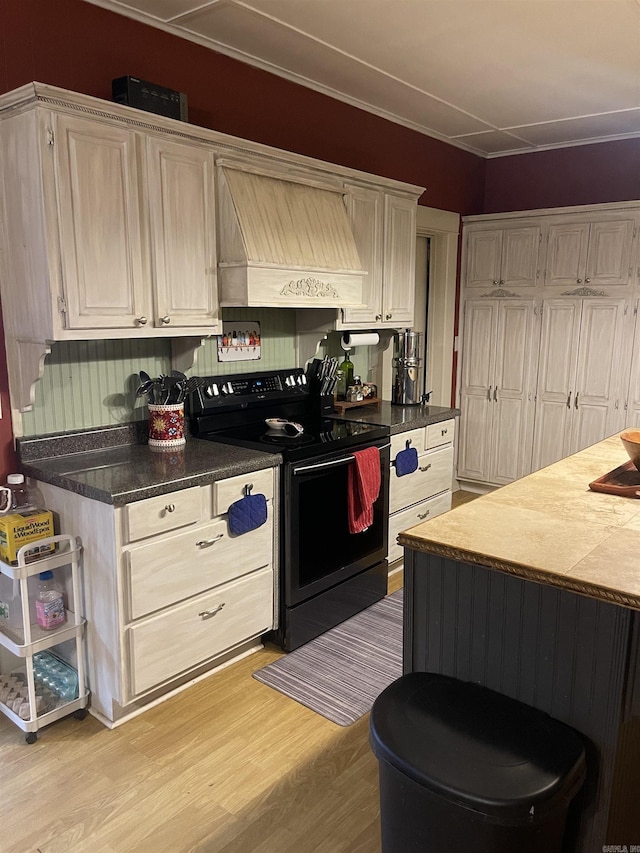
182, 218
365, 209
99, 220
399, 264
609, 253
476, 390
519, 267
567, 254
596, 390
484, 257
512, 396
632, 403
556, 380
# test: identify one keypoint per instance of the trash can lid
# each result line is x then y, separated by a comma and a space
477, 748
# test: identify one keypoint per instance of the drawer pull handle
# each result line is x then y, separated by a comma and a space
204, 543
425, 467
209, 614
443, 432
423, 514
170, 508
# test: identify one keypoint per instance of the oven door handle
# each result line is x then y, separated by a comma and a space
320, 466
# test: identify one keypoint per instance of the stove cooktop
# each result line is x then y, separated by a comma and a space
233, 410
318, 437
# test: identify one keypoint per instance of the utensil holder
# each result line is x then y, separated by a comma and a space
166, 425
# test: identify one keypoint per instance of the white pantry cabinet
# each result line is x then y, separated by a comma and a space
594, 253
496, 393
170, 594
579, 380
630, 415
503, 257
384, 227
586, 381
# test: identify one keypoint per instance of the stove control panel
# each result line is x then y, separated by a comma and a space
223, 393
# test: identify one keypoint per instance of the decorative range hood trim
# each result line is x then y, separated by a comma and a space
284, 243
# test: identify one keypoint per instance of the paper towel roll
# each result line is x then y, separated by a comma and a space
359, 339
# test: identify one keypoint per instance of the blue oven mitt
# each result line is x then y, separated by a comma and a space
247, 514
406, 461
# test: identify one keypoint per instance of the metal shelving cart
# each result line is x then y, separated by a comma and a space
33, 641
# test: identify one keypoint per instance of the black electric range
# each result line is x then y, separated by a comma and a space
326, 573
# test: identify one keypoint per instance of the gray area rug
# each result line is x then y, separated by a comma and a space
340, 673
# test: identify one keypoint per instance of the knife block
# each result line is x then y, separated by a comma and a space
321, 405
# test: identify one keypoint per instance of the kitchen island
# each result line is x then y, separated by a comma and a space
534, 591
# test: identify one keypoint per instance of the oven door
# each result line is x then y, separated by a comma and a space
319, 551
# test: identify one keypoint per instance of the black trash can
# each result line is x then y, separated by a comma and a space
463, 768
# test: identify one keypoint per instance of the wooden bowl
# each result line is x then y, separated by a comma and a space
631, 440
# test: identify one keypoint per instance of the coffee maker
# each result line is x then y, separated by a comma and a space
407, 361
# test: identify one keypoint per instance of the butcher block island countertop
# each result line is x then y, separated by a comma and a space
549, 527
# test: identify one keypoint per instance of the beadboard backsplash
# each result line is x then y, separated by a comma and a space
92, 383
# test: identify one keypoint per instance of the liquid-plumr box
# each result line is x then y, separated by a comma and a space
19, 528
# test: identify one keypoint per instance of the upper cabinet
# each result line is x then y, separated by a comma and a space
595, 254
503, 257
384, 227
118, 223
117, 230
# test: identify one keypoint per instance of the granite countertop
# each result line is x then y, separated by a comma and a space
549, 527
399, 418
106, 466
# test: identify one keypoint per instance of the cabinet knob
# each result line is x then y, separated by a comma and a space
389, 316
501, 281
579, 281
141, 321
378, 316
587, 280
170, 507
495, 281
165, 320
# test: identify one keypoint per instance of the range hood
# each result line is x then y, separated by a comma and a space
284, 243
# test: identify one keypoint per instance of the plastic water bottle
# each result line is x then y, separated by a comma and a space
16, 495
50, 612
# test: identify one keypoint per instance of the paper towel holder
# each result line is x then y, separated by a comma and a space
359, 339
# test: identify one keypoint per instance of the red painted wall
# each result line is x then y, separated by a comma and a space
585, 174
79, 46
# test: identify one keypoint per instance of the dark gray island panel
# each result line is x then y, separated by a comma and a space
575, 657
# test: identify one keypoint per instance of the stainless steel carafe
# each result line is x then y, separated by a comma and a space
407, 361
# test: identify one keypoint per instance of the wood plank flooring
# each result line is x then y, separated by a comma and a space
227, 766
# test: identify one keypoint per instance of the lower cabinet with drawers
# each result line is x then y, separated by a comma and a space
426, 492
170, 592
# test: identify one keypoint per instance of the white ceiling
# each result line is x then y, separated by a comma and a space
492, 76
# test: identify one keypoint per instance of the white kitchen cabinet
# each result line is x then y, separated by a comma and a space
117, 226
496, 394
580, 378
65, 691
595, 254
183, 236
426, 492
171, 594
384, 227
503, 257
630, 415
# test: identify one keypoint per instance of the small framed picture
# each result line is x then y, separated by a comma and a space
239, 341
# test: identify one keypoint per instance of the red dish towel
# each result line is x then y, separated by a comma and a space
364, 488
